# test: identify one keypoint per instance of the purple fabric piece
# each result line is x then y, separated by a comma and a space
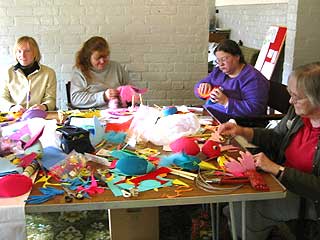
247, 93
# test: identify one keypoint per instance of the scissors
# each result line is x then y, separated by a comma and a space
71, 194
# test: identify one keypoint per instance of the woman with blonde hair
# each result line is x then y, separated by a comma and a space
29, 84
95, 77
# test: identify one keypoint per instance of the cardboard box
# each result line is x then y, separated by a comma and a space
134, 223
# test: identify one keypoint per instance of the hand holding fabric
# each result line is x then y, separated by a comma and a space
217, 96
17, 108
111, 94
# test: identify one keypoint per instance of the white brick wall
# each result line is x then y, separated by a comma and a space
250, 23
163, 43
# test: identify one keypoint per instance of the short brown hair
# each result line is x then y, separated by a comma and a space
83, 56
33, 44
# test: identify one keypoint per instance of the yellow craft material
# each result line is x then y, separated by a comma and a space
207, 166
16, 161
179, 182
221, 160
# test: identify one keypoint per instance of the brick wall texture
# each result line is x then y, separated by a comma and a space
163, 43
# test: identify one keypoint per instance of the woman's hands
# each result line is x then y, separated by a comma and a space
232, 129
39, 106
204, 90
217, 96
264, 163
17, 108
111, 94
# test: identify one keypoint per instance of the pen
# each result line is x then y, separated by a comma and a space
28, 94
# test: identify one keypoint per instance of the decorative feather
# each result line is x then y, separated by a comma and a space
181, 160
127, 92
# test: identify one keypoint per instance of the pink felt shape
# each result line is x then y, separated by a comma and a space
186, 145
235, 167
34, 139
211, 149
14, 185
93, 189
126, 92
247, 161
19, 133
27, 159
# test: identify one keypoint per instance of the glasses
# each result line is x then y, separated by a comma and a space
222, 60
295, 99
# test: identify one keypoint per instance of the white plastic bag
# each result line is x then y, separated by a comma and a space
149, 125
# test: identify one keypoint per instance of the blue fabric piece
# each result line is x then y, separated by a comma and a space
120, 154
48, 193
134, 165
52, 156
115, 137
6, 167
169, 111
182, 160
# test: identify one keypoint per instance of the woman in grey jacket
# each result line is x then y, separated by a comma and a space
95, 77
291, 152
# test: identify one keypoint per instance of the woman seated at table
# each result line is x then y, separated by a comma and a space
234, 88
291, 152
28, 84
95, 77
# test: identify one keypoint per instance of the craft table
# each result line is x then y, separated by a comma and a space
157, 198
153, 199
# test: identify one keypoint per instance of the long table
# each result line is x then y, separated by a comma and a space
154, 199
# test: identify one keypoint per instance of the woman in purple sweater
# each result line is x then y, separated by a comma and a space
234, 88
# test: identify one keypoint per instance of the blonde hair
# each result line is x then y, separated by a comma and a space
33, 45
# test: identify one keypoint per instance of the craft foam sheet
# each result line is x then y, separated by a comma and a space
12, 217
34, 125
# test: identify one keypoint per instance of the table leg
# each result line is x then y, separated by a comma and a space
212, 214
243, 219
233, 225
217, 220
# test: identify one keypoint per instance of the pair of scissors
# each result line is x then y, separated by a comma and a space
71, 195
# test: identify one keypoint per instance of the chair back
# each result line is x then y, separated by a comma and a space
68, 86
278, 97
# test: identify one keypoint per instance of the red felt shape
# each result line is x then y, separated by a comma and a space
211, 149
184, 144
257, 181
14, 185
151, 176
118, 127
27, 159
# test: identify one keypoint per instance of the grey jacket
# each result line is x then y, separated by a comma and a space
89, 93
275, 141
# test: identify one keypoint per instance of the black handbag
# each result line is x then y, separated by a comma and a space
75, 138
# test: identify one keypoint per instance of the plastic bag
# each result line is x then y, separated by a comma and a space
149, 125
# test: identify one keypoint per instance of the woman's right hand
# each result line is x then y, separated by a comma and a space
111, 93
17, 108
204, 89
229, 129
232, 129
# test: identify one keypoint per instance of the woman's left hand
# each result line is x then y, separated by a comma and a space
39, 106
217, 96
264, 163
